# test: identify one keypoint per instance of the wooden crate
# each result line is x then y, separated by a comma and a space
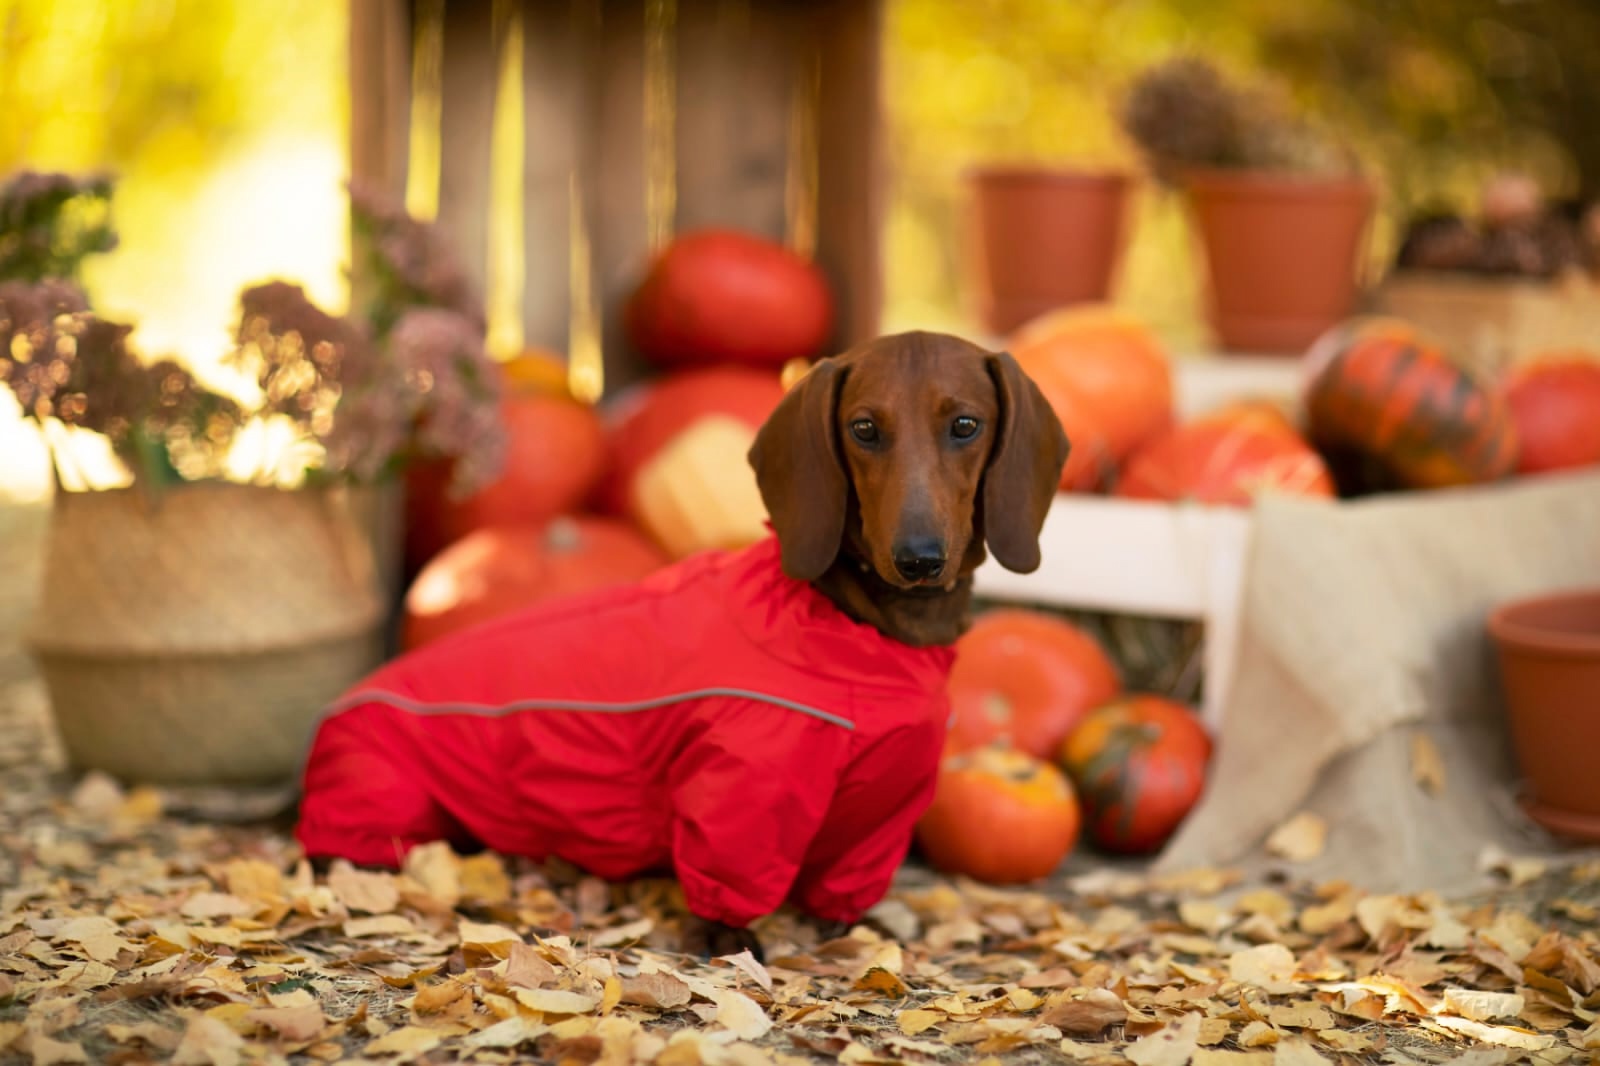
1491, 324
640, 118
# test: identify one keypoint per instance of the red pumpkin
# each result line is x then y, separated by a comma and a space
1025, 678
724, 296
1224, 461
1000, 816
493, 571
1389, 410
1139, 764
1110, 363
641, 421
555, 451
1259, 415
1555, 403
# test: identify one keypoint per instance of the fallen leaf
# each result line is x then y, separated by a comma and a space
746, 964
439, 997
912, 1022
379, 925
1089, 1015
1172, 1045
659, 990
1296, 1051
1258, 1034
1270, 967
1302, 1015
208, 1042
508, 1033
524, 967
1588, 1040
879, 980
411, 1040
1427, 765
1300, 839
291, 1023
1481, 1006
156, 1035
1216, 1057
437, 869
741, 1015
489, 937
555, 1001
253, 879
365, 891
205, 906
1504, 1035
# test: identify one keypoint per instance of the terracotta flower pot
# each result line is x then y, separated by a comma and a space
1043, 238
1281, 252
1549, 652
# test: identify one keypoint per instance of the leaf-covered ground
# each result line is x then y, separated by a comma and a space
130, 933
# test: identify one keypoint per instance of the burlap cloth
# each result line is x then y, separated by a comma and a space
1364, 623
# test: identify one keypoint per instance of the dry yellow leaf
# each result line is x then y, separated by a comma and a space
879, 980
1203, 915
438, 997
437, 869
379, 925
1089, 1015
1588, 1040
208, 1042
483, 878
912, 1022
524, 967
1220, 1057
1258, 1034
1300, 839
406, 1040
1503, 1035
204, 906
304, 1022
610, 995
1172, 1045
1296, 1051
1320, 918
1427, 765
555, 1001
1481, 1006
1302, 1015
746, 964
156, 1035
494, 938
506, 1034
741, 1015
364, 891
1270, 967
659, 990
253, 879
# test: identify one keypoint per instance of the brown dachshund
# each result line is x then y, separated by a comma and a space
886, 471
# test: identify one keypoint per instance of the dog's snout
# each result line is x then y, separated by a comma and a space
919, 558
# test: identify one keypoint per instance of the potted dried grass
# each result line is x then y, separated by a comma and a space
197, 613
1281, 209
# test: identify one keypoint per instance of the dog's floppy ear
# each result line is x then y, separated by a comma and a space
801, 472
1025, 464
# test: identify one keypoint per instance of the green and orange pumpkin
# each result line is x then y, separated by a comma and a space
1389, 410
1139, 766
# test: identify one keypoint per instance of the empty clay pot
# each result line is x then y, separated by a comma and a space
1281, 254
1044, 238
1549, 653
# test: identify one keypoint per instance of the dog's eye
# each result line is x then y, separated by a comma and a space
864, 430
964, 428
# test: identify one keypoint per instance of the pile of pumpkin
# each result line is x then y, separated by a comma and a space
602, 494
1045, 745
1383, 408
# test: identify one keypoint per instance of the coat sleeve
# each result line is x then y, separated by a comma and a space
748, 795
868, 832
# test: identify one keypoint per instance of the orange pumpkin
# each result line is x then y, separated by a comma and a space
1555, 402
725, 296
1261, 415
1139, 763
1025, 678
1388, 410
641, 420
699, 493
536, 370
1224, 460
1089, 465
554, 456
999, 815
1111, 363
500, 569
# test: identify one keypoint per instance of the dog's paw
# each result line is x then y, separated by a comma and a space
710, 940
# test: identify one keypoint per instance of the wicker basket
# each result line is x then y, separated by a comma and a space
192, 639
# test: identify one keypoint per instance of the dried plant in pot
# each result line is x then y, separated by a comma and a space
197, 612
1282, 211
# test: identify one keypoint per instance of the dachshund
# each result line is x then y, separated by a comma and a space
765, 723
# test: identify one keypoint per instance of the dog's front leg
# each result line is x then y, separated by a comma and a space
709, 939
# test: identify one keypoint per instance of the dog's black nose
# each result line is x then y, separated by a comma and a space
919, 559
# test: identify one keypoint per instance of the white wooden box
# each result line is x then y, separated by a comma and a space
1163, 560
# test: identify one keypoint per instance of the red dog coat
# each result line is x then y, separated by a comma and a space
719, 719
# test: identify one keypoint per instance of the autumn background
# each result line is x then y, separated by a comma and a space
227, 123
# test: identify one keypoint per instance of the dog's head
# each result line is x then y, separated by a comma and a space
909, 453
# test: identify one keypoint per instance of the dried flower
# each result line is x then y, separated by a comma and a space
50, 223
1183, 113
407, 262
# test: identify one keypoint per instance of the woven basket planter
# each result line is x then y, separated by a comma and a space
192, 639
